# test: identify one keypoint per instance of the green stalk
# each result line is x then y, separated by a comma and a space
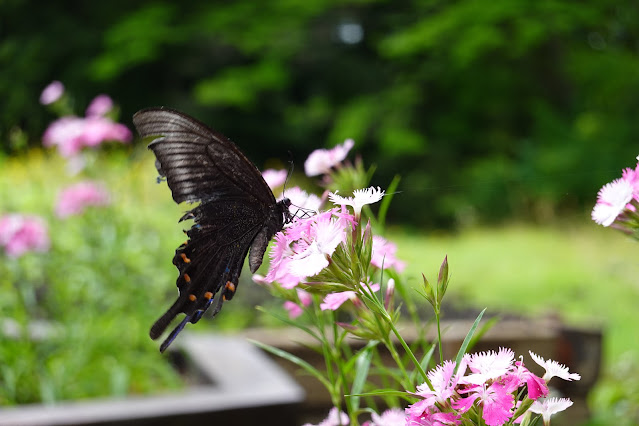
329, 360
418, 366
439, 337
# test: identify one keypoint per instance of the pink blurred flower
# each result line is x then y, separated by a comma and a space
333, 301
20, 234
391, 417
101, 129
384, 254
65, 133
434, 418
70, 134
100, 105
335, 418
52, 92
259, 279
296, 309
322, 160
76, 198
274, 178
301, 199
611, 201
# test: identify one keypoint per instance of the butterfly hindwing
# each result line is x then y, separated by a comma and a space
237, 211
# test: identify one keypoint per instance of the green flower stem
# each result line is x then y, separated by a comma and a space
523, 407
338, 360
335, 389
391, 348
439, 337
418, 366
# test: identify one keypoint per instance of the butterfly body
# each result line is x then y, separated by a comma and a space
237, 214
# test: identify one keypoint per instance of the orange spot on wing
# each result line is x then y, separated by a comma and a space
208, 295
230, 286
184, 258
187, 278
192, 297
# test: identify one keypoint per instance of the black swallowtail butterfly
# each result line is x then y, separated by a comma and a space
237, 212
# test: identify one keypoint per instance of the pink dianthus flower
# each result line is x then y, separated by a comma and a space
74, 199
20, 234
322, 160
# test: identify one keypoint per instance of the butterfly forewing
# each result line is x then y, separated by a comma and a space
237, 212
197, 161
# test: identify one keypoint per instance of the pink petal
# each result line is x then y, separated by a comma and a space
52, 92
99, 106
274, 178
333, 301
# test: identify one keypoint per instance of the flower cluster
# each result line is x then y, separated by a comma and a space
490, 389
390, 417
71, 133
322, 160
304, 249
20, 234
617, 202
74, 199
332, 254
487, 385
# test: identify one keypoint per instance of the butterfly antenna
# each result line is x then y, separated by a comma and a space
291, 167
303, 213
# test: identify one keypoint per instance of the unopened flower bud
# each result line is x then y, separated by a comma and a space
390, 293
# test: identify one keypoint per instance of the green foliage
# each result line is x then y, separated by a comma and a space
95, 292
469, 98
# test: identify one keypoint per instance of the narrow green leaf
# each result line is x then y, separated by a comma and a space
425, 361
387, 392
489, 323
295, 360
362, 365
385, 204
464, 346
289, 322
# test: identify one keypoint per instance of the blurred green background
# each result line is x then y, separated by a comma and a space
502, 117
491, 110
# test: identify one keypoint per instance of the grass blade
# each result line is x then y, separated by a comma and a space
295, 360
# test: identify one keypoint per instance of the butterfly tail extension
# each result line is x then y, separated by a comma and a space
163, 322
167, 342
